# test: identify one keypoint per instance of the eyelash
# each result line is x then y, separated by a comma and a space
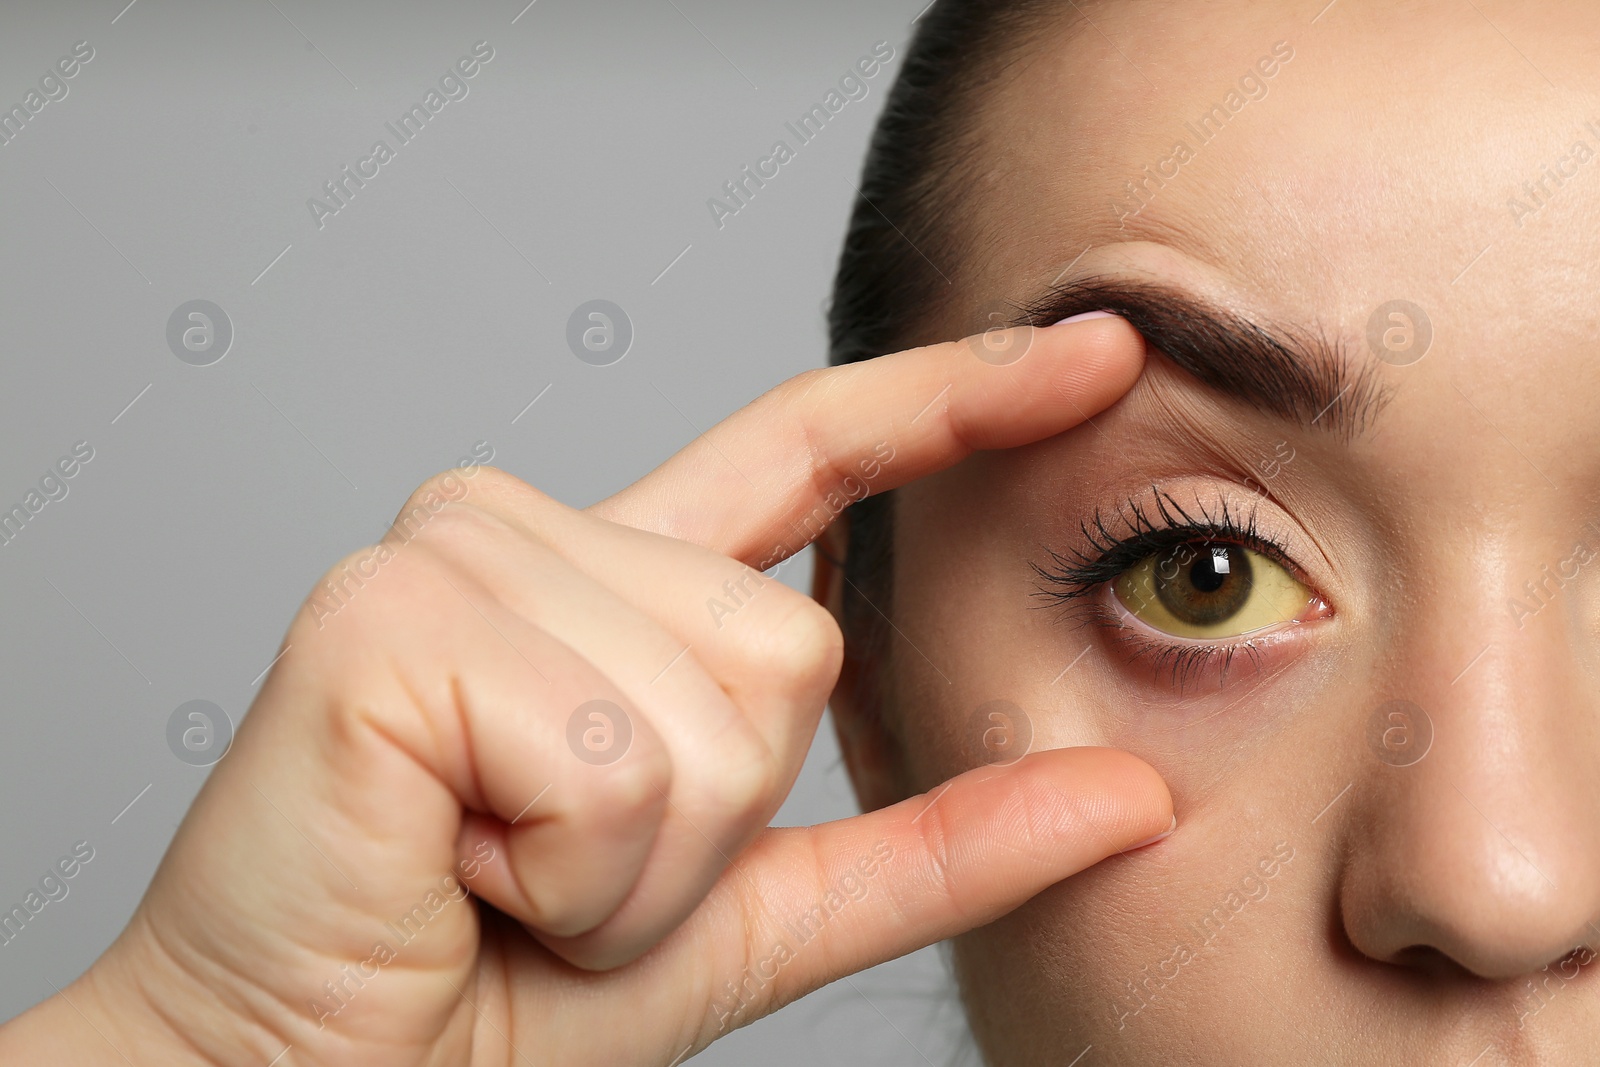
1069, 578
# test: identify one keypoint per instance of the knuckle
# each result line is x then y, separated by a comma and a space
341, 584
800, 386
375, 588
634, 787
492, 484
819, 385
462, 528
430, 503
793, 400
493, 495
747, 779
940, 877
445, 487
803, 645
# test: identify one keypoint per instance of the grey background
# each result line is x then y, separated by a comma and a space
421, 319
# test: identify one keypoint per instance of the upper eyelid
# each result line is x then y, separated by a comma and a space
1080, 572
1080, 578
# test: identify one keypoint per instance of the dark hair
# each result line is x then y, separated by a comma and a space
888, 286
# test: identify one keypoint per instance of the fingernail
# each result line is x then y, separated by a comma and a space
1086, 315
1152, 840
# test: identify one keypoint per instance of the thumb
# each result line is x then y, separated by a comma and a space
823, 902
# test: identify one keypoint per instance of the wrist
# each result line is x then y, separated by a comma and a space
125, 1009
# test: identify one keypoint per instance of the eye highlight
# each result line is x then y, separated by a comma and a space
1207, 590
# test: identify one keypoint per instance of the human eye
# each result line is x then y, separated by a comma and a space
1183, 589
1209, 589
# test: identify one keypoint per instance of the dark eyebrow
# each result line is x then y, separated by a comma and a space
1298, 376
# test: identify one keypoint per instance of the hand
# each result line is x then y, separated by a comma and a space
588, 718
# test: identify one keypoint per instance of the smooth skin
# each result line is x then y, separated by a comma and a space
420, 734
1443, 912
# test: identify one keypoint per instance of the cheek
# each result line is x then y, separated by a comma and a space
970, 646
1134, 954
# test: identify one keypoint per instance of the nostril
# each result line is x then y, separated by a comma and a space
1436, 964
1425, 959
1572, 963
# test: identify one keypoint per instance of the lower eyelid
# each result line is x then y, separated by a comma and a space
1181, 660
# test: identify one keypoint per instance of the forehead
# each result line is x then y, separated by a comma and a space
1311, 173
1317, 168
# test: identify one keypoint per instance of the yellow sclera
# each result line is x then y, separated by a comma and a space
1210, 591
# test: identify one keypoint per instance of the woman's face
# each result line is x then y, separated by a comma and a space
1373, 691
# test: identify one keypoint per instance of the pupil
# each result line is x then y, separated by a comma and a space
1204, 575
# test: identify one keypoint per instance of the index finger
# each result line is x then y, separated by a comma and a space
770, 478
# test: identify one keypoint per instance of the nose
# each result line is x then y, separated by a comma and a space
1485, 851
